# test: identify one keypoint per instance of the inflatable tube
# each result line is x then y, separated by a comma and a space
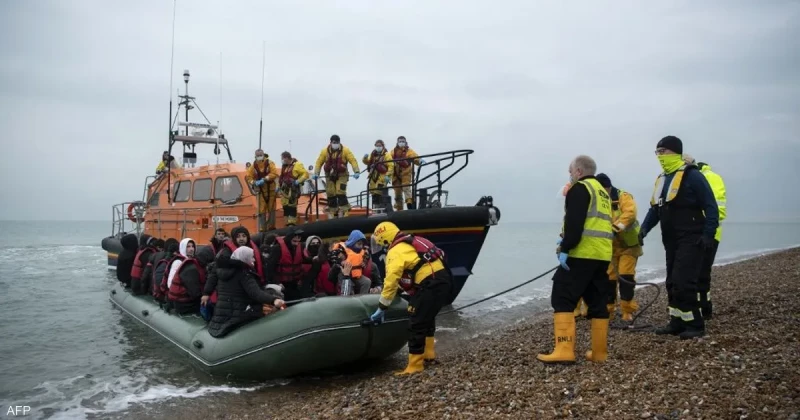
309, 336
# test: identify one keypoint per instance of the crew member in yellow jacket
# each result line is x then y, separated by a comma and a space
162, 166
417, 266
293, 175
402, 175
334, 159
262, 176
704, 281
379, 165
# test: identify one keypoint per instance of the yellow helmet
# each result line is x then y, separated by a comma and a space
384, 234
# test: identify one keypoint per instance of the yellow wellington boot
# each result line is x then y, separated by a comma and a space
430, 351
564, 326
416, 363
599, 351
612, 309
628, 308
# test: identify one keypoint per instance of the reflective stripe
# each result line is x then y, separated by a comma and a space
674, 186
597, 236
385, 302
684, 316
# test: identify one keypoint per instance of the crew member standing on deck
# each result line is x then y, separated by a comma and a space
417, 266
403, 173
627, 250
379, 165
262, 176
293, 175
704, 281
584, 253
685, 206
334, 159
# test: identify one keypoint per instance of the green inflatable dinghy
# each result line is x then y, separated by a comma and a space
318, 334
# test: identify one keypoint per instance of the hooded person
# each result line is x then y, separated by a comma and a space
240, 236
147, 273
146, 249
316, 269
160, 269
130, 245
240, 298
355, 250
285, 263
187, 283
684, 204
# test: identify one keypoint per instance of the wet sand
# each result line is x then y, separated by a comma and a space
745, 367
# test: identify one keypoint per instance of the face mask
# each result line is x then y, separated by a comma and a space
335, 146
286, 162
259, 158
670, 163
401, 144
378, 149
313, 249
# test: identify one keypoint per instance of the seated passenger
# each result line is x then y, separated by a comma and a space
315, 269
354, 249
220, 236
130, 245
189, 280
285, 264
240, 236
147, 273
146, 250
241, 299
162, 166
160, 268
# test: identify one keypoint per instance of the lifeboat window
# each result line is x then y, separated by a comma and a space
153, 202
227, 189
202, 190
182, 191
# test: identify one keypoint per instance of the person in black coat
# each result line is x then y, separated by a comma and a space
239, 298
130, 244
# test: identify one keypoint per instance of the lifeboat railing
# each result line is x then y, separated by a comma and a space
445, 166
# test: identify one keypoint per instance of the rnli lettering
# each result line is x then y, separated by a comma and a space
565, 339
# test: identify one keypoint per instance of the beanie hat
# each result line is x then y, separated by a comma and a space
604, 180
671, 143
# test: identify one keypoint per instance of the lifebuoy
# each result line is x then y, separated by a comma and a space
132, 210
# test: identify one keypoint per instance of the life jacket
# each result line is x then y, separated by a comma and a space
161, 293
287, 175
257, 254
400, 153
258, 172
377, 163
138, 267
335, 163
368, 269
290, 267
355, 258
161, 266
177, 291
321, 283
427, 252
630, 236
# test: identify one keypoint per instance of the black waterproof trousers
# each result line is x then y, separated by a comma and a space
684, 261
424, 305
704, 282
587, 279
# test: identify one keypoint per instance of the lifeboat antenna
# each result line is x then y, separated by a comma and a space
219, 129
263, 67
171, 64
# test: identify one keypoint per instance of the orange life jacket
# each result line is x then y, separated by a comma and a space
335, 163
138, 266
177, 291
355, 258
427, 252
290, 267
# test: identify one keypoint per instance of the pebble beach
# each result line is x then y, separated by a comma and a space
745, 368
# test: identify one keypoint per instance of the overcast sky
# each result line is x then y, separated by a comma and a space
84, 92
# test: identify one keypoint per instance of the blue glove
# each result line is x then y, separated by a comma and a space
387, 178
378, 317
277, 190
366, 156
562, 259
356, 175
296, 182
314, 177
259, 183
422, 161
559, 241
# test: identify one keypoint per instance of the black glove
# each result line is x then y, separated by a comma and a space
705, 242
641, 237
